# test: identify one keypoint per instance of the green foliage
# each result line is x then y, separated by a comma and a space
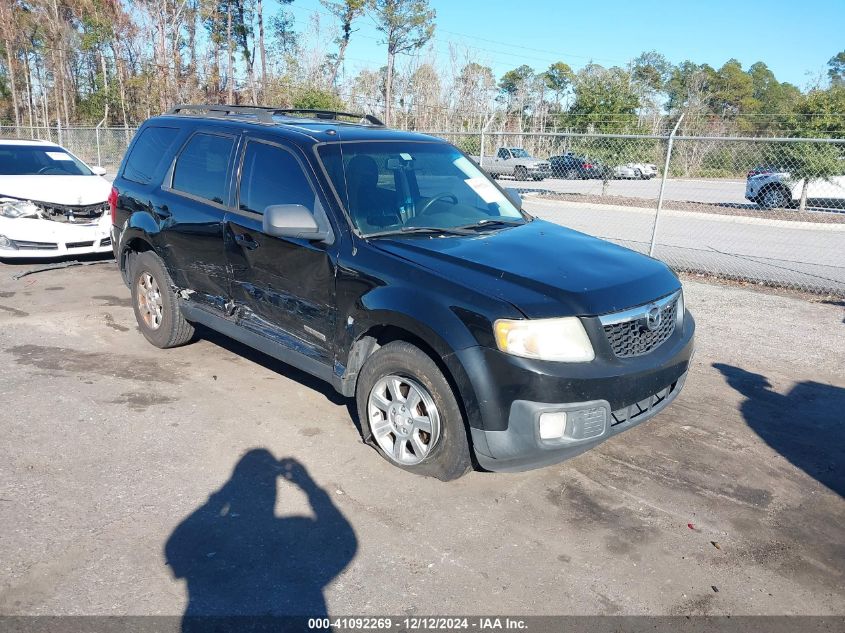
651, 70
836, 69
317, 99
558, 78
604, 100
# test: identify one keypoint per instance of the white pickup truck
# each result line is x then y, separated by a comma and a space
516, 162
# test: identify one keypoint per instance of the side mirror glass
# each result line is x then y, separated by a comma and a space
291, 220
98, 171
513, 196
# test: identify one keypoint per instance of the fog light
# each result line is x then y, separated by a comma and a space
552, 425
5, 242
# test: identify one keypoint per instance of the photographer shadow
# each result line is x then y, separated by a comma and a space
242, 562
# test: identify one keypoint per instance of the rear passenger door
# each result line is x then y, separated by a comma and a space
286, 284
195, 196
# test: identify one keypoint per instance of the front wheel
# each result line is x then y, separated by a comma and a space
520, 173
411, 412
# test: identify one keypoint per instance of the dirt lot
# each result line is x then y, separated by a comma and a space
117, 472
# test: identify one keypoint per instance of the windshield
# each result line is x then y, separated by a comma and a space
33, 160
519, 153
400, 185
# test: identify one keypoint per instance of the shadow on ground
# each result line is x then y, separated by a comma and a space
804, 425
240, 560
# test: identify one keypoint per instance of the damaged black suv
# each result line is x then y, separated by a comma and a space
388, 264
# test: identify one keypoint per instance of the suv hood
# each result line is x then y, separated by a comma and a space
543, 269
64, 190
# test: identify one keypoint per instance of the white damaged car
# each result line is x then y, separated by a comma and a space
51, 203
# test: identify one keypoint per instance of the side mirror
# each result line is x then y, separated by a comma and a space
98, 171
513, 196
291, 220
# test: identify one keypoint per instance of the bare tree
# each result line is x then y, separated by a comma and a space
346, 12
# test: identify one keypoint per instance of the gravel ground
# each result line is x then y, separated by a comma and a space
119, 491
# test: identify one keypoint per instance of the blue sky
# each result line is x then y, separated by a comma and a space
795, 39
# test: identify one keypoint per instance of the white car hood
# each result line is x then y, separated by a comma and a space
68, 190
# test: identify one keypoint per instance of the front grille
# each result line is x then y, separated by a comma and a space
634, 411
79, 244
543, 166
42, 246
631, 336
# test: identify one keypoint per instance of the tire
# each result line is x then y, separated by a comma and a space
571, 174
773, 198
638, 175
403, 368
520, 173
155, 304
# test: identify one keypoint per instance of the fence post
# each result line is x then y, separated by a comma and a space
97, 134
663, 184
483, 130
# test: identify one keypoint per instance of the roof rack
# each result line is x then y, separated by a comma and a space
265, 114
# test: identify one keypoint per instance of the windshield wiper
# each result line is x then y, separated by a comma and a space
452, 230
492, 222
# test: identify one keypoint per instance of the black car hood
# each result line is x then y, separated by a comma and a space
541, 268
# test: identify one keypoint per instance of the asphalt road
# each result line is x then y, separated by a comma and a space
141, 481
803, 255
713, 190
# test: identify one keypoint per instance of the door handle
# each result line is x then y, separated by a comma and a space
161, 211
246, 240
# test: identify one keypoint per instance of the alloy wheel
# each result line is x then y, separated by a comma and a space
150, 303
404, 419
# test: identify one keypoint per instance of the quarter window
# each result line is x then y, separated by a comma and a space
152, 147
272, 175
202, 167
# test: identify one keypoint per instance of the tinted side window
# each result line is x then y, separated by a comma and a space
503, 153
150, 150
271, 175
201, 168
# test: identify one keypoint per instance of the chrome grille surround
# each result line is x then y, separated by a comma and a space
643, 329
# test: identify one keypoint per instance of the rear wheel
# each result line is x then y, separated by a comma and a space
412, 413
155, 304
773, 198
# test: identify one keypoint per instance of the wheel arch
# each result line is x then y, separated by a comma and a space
392, 326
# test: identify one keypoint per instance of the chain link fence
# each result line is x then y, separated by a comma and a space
767, 211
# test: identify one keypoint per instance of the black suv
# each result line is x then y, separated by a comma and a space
388, 264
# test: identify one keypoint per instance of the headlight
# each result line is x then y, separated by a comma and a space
563, 340
6, 243
18, 209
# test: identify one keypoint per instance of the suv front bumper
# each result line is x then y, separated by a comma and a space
601, 399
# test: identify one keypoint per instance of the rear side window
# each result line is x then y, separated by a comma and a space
150, 150
202, 167
271, 175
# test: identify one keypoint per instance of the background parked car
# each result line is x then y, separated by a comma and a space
779, 190
574, 167
516, 162
51, 203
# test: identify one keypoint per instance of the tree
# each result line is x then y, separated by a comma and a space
316, 99
346, 11
836, 69
733, 90
604, 100
559, 78
407, 25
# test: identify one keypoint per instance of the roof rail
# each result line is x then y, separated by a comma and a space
265, 114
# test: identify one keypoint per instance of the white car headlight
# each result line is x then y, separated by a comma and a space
17, 208
563, 339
